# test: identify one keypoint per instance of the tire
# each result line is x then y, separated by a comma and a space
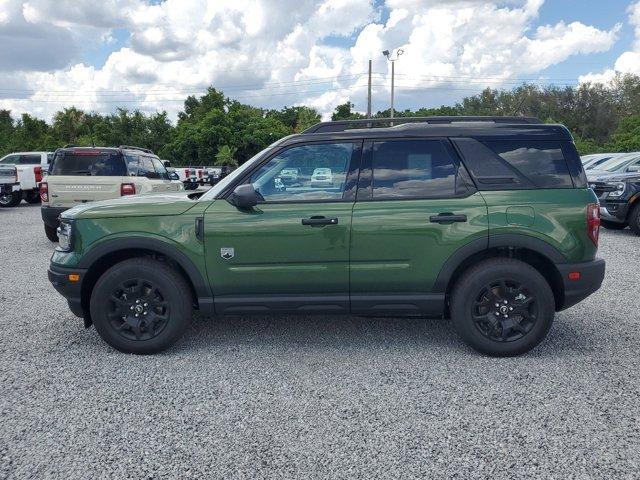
519, 324
32, 198
149, 282
11, 199
51, 233
634, 219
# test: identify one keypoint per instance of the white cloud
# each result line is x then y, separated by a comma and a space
277, 52
629, 61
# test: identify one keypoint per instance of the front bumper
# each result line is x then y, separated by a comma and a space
591, 277
614, 211
72, 291
51, 215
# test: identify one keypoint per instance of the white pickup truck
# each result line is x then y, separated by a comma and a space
8, 178
30, 166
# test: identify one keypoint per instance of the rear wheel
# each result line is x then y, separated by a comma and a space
12, 199
32, 197
502, 307
141, 306
634, 219
51, 233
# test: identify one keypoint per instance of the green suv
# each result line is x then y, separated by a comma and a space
487, 221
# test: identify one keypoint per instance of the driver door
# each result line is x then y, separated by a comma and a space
291, 251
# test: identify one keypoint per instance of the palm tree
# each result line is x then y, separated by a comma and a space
224, 157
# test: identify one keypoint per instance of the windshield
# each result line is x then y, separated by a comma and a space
617, 164
222, 184
100, 165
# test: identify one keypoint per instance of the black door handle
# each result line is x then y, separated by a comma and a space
447, 218
317, 220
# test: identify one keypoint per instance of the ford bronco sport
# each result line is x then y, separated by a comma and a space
486, 221
79, 175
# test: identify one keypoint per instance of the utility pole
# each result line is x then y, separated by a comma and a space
392, 58
369, 93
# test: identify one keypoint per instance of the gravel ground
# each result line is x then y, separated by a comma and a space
318, 397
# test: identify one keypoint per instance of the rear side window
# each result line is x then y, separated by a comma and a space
413, 169
100, 165
30, 159
513, 164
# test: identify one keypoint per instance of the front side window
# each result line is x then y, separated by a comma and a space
99, 165
321, 173
413, 169
30, 159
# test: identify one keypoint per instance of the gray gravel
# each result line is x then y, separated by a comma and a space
319, 397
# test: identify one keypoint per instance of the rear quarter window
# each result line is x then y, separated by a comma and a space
514, 164
101, 165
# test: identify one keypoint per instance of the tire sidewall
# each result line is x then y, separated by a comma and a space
470, 286
634, 220
169, 284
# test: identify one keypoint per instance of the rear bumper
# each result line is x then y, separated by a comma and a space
591, 277
614, 211
6, 188
72, 291
51, 215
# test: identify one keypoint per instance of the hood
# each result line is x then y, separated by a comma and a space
144, 205
604, 176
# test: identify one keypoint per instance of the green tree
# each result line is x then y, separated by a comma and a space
224, 157
627, 136
344, 112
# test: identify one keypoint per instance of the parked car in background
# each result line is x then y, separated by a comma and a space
87, 174
30, 166
322, 177
214, 174
591, 161
489, 222
8, 179
188, 177
616, 182
290, 175
620, 163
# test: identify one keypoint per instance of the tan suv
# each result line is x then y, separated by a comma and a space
79, 175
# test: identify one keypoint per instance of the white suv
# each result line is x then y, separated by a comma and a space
79, 175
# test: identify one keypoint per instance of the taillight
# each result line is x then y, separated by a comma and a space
593, 222
186, 173
199, 173
44, 192
127, 189
38, 173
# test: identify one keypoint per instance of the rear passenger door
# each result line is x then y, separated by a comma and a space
415, 207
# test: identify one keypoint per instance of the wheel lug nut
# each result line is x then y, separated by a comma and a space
131, 307
505, 302
144, 313
497, 313
146, 304
137, 315
137, 301
497, 304
506, 316
510, 309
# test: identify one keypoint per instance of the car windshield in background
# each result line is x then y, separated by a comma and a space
617, 164
101, 165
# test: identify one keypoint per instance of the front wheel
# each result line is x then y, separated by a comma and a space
141, 306
502, 307
634, 220
12, 199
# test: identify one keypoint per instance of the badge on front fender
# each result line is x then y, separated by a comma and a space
227, 253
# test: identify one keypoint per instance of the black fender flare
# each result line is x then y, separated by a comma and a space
200, 286
494, 241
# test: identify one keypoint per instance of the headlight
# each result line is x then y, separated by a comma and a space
619, 189
65, 236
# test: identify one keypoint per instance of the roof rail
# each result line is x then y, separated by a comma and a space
342, 125
131, 147
70, 145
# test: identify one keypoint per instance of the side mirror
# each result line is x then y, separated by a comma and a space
167, 163
634, 168
173, 176
244, 196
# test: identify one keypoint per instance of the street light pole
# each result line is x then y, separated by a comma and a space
392, 58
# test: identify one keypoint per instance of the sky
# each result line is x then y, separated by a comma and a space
150, 55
